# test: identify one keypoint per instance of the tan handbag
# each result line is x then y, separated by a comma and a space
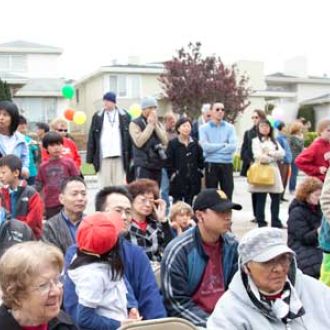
261, 175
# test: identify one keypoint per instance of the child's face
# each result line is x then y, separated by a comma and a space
5, 119
7, 177
182, 219
325, 134
55, 150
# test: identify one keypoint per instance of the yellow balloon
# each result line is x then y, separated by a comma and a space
79, 118
135, 111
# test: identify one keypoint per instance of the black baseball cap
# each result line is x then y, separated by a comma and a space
215, 200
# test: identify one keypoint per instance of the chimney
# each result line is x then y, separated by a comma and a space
134, 60
296, 66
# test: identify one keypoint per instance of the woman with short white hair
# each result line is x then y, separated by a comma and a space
32, 289
268, 291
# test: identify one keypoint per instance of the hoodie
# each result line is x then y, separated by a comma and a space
312, 158
236, 310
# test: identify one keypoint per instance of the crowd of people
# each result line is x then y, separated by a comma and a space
160, 241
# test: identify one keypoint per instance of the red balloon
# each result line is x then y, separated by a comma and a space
68, 114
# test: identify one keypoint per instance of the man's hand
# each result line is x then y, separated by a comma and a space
152, 118
134, 314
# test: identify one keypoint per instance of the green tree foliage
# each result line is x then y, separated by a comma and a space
307, 112
4, 91
191, 80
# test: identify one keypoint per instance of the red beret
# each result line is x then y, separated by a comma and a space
98, 233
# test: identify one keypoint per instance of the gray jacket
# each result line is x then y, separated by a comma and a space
57, 232
235, 310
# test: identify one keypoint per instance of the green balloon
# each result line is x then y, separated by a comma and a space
68, 91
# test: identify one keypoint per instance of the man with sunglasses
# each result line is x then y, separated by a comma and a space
268, 291
70, 148
219, 143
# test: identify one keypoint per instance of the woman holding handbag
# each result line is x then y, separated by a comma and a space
266, 150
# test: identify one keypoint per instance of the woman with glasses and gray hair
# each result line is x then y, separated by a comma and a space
32, 289
269, 291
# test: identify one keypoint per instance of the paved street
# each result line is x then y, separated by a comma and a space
241, 219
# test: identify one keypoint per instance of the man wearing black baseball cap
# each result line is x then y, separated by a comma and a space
198, 266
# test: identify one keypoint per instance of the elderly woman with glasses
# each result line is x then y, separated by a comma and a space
70, 148
149, 227
32, 289
268, 291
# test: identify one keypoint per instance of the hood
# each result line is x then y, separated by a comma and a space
239, 289
296, 203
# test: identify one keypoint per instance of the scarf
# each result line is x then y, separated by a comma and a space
285, 307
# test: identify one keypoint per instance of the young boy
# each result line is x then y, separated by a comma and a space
181, 217
20, 200
53, 172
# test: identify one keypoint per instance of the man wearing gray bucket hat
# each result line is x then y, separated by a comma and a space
268, 291
149, 142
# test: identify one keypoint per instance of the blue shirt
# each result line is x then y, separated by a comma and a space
283, 141
72, 227
219, 142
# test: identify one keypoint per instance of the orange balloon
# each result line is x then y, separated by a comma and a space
68, 114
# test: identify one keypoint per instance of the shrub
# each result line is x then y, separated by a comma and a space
309, 138
237, 163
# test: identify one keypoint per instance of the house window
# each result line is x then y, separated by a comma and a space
13, 63
125, 86
4, 63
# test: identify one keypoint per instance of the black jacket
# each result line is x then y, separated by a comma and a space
246, 150
94, 137
62, 322
185, 168
12, 232
303, 237
147, 156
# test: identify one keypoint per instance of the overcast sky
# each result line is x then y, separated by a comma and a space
92, 33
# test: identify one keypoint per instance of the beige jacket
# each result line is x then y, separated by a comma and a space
141, 137
266, 152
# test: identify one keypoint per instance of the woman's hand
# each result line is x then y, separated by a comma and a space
160, 210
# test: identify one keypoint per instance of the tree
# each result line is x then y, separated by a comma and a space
190, 81
4, 91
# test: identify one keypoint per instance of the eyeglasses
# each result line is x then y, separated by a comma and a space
220, 109
121, 211
254, 117
62, 130
284, 260
145, 201
45, 288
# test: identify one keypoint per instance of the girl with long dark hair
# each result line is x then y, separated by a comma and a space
267, 150
11, 141
104, 296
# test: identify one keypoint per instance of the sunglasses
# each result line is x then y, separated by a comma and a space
220, 109
62, 130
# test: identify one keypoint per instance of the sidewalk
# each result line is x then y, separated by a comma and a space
241, 219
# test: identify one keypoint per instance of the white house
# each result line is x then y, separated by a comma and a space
31, 70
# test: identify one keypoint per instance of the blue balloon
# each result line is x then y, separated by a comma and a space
277, 123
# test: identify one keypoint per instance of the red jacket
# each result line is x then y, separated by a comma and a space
29, 206
312, 158
69, 150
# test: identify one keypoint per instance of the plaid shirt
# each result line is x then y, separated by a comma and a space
154, 240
